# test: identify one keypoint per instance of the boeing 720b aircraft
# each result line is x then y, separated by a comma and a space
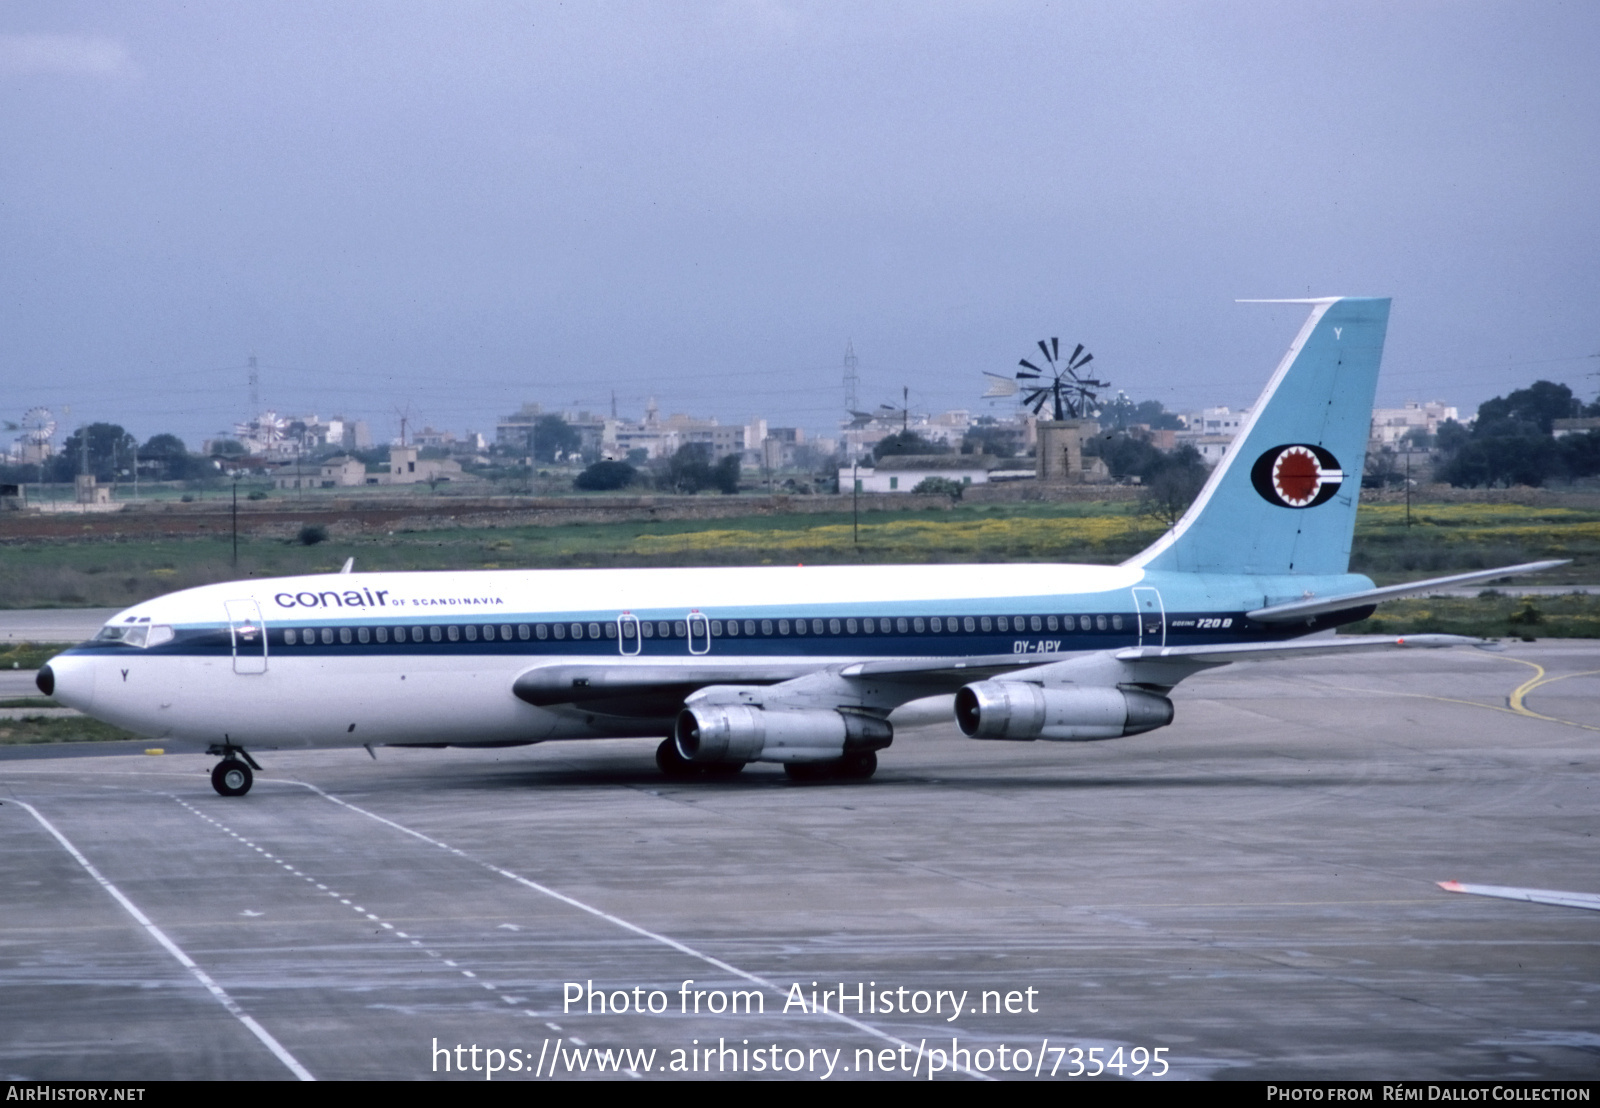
794, 665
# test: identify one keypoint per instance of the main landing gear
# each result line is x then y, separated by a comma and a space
232, 776
852, 767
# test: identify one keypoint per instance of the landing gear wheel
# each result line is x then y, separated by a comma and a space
808, 771
232, 777
856, 767
852, 767
671, 763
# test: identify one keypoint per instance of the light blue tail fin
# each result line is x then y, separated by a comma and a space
1283, 500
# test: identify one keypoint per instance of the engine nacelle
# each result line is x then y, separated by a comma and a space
709, 733
1023, 711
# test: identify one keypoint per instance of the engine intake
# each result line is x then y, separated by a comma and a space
744, 733
1022, 711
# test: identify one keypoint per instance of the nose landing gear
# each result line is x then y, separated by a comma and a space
232, 776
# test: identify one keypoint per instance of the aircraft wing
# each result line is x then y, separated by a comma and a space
1316, 606
1298, 648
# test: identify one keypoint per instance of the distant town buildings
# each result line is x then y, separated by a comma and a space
1391, 425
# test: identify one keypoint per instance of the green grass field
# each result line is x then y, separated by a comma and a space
1442, 538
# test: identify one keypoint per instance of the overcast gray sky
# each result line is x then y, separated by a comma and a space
459, 206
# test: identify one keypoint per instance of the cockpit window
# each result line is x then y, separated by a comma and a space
141, 635
129, 635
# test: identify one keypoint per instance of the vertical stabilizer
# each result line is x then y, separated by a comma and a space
1283, 499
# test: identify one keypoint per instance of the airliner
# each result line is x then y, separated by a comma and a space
794, 665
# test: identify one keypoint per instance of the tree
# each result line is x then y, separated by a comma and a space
690, 470
605, 476
551, 435
1540, 404
1511, 442
169, 460
1168, 494
110, 448
939, 486
907, 442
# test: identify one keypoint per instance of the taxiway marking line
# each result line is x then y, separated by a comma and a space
617, 921
176, 951
1514, 701
1538, 681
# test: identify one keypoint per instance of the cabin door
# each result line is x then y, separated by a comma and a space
1152, 617
699, 633
248, 633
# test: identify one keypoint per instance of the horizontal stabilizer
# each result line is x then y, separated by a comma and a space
1305, 609
1535, 896
1300, 648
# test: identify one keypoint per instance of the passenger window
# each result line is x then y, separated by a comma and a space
1116, 623
833, 627
918, 625
851, 626
868, 626
716, 627
505, 632
435, 634
783, 627
543, 630
611, 630
290, 636
749, 627
648, 628
560, 629
472, 632
1099, 623
936, 624
680, 629
594, 630
383, 634
986, 623
363, 635
733, 627
1035, 623
416, 634
1084, 624
799, 627
1053, 624
327, 634
344, 634
766, 627
663, 629
969, 623
453, 632
900, 625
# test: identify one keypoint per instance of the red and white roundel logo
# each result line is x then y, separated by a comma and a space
1296, 475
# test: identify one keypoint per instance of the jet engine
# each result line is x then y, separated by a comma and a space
711, 733
1024, 711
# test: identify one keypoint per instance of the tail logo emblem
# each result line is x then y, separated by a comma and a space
1296, 475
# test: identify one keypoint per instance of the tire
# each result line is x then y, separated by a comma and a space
808, 771
857, 767
232, 777
852, 767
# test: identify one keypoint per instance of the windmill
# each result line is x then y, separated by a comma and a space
1063, 384
38, 428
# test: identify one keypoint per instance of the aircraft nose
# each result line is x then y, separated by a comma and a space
69, 680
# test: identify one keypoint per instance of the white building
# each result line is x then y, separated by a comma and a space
1390, 425
904, 472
